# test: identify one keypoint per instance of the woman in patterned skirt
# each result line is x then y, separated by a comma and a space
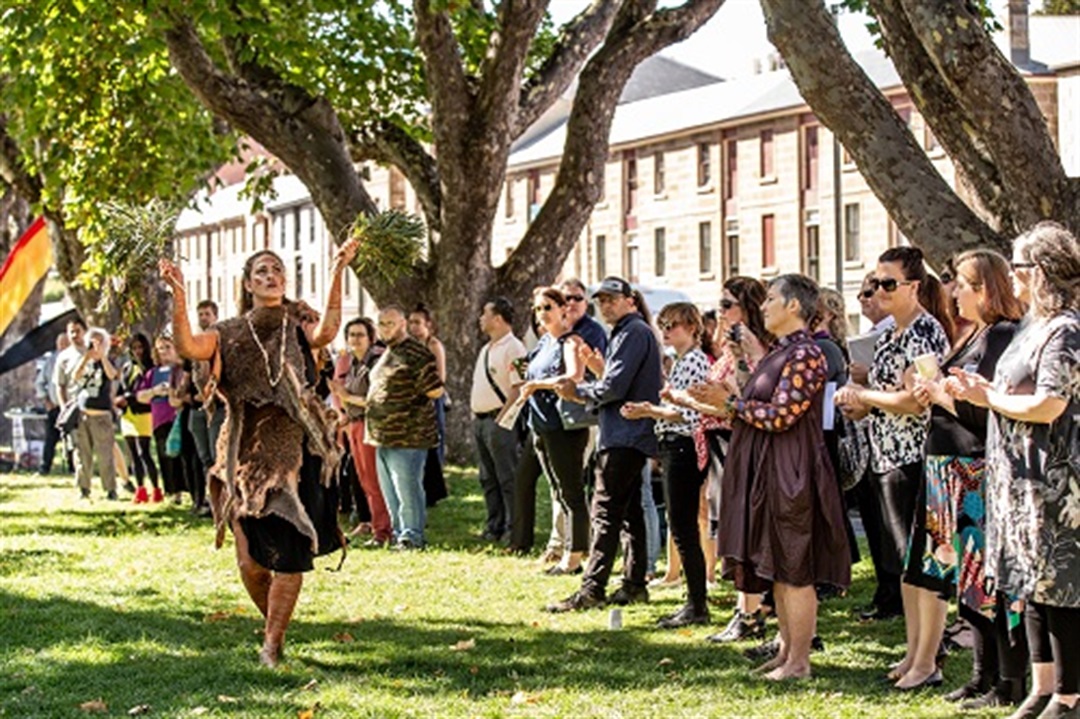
945, 554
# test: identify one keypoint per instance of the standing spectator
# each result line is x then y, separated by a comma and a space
898, 423
945, 554
631, 373
560, 450
780, 507
46, 390
92, 380
400, 422
135, 422
350, 388
681, 326
203, 423
422, 327
493, 388
66, 362
1033, 523
158, 394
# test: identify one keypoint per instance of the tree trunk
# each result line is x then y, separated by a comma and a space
16, 386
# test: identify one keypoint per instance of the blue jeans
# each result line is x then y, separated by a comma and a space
652, 520
401, 479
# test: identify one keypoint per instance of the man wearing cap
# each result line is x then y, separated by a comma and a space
631, 373
492, 388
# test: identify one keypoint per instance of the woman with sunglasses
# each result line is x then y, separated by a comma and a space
561, 451
681, 326
741, 338
946, 548
898, 426
1033, 489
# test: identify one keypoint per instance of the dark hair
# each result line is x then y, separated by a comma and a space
801, 288
1055, 252
369, 327
990, 270
642, 307
246, 301
574, 282
77, 321
208, 304
750, 294
503, 308
422, 310
832, 302
145, 359
931, 292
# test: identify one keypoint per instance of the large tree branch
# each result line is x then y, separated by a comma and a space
578, 38
996, 98
448, 88
502, 68
899, 173
389, 144
12, 168
947, 118
635, 35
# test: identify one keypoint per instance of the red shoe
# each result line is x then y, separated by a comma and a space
141, 496
158, 495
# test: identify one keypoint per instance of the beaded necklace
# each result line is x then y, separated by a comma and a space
266, 356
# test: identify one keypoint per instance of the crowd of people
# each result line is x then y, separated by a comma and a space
952, 428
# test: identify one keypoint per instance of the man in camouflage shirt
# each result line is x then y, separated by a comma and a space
401, 424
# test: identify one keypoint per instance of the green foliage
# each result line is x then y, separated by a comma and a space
123, 251
391, 243
983, 7
1059, 7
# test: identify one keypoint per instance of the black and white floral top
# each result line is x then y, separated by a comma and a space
690, 369
897, 439
1033, 470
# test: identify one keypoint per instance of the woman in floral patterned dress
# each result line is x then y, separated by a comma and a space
1033, 455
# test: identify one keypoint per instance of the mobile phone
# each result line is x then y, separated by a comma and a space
735, 333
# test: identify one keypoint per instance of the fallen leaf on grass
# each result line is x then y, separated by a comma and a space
199, 711
139, 709
665, 661
311, 685
94, 705
474, 669
308, 713
400, 608
524, 698
686, 632
344, 638
226, 699
463, 645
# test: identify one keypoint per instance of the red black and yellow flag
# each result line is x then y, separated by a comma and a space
24, 267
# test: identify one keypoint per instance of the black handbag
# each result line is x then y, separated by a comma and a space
68, 419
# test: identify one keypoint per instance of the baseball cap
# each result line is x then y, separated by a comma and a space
613, 286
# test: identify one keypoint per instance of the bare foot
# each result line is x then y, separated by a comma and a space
360, 530
774, 663
789, 671
270, 655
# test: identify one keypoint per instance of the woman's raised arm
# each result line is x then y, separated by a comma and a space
199, 346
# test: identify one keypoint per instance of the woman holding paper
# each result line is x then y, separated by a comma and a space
945, 552
898, 427
561, 451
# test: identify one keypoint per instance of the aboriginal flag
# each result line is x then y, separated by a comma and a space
28, 262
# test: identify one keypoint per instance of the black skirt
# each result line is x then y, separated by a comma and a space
278, 545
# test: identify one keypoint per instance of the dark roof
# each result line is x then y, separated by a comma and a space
660, 75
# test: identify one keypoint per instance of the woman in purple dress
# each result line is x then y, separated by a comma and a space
781, 517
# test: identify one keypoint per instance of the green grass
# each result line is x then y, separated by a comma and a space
133, 606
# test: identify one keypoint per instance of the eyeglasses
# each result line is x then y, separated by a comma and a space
1021, 265
726, 304
867, 293
544, 308
575, 298
667, 325
889, 284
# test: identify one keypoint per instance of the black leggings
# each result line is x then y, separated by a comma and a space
682, 493
999, 656
1053, 633
562, 456
139, 449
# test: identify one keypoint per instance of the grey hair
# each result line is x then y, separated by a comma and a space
801, 288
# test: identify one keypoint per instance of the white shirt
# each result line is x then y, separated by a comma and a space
499, 356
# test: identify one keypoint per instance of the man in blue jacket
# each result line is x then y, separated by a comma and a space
631, 373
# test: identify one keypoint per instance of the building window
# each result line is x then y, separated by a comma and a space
533, 192
932, 144
660, 250
768, 240
601, 257
705, 263
704, 165
731, 181
508, 204
314, 282
631, 179
766, 160
283, 238
348, 282
731, 249
299, 265
633, 262
658, 173
311, 226
397, 189
852, 251
296, 229
811, 152
812, 253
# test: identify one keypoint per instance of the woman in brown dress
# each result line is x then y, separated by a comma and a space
274, 483
781, 516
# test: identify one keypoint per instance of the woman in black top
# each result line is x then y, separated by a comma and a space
945, 550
